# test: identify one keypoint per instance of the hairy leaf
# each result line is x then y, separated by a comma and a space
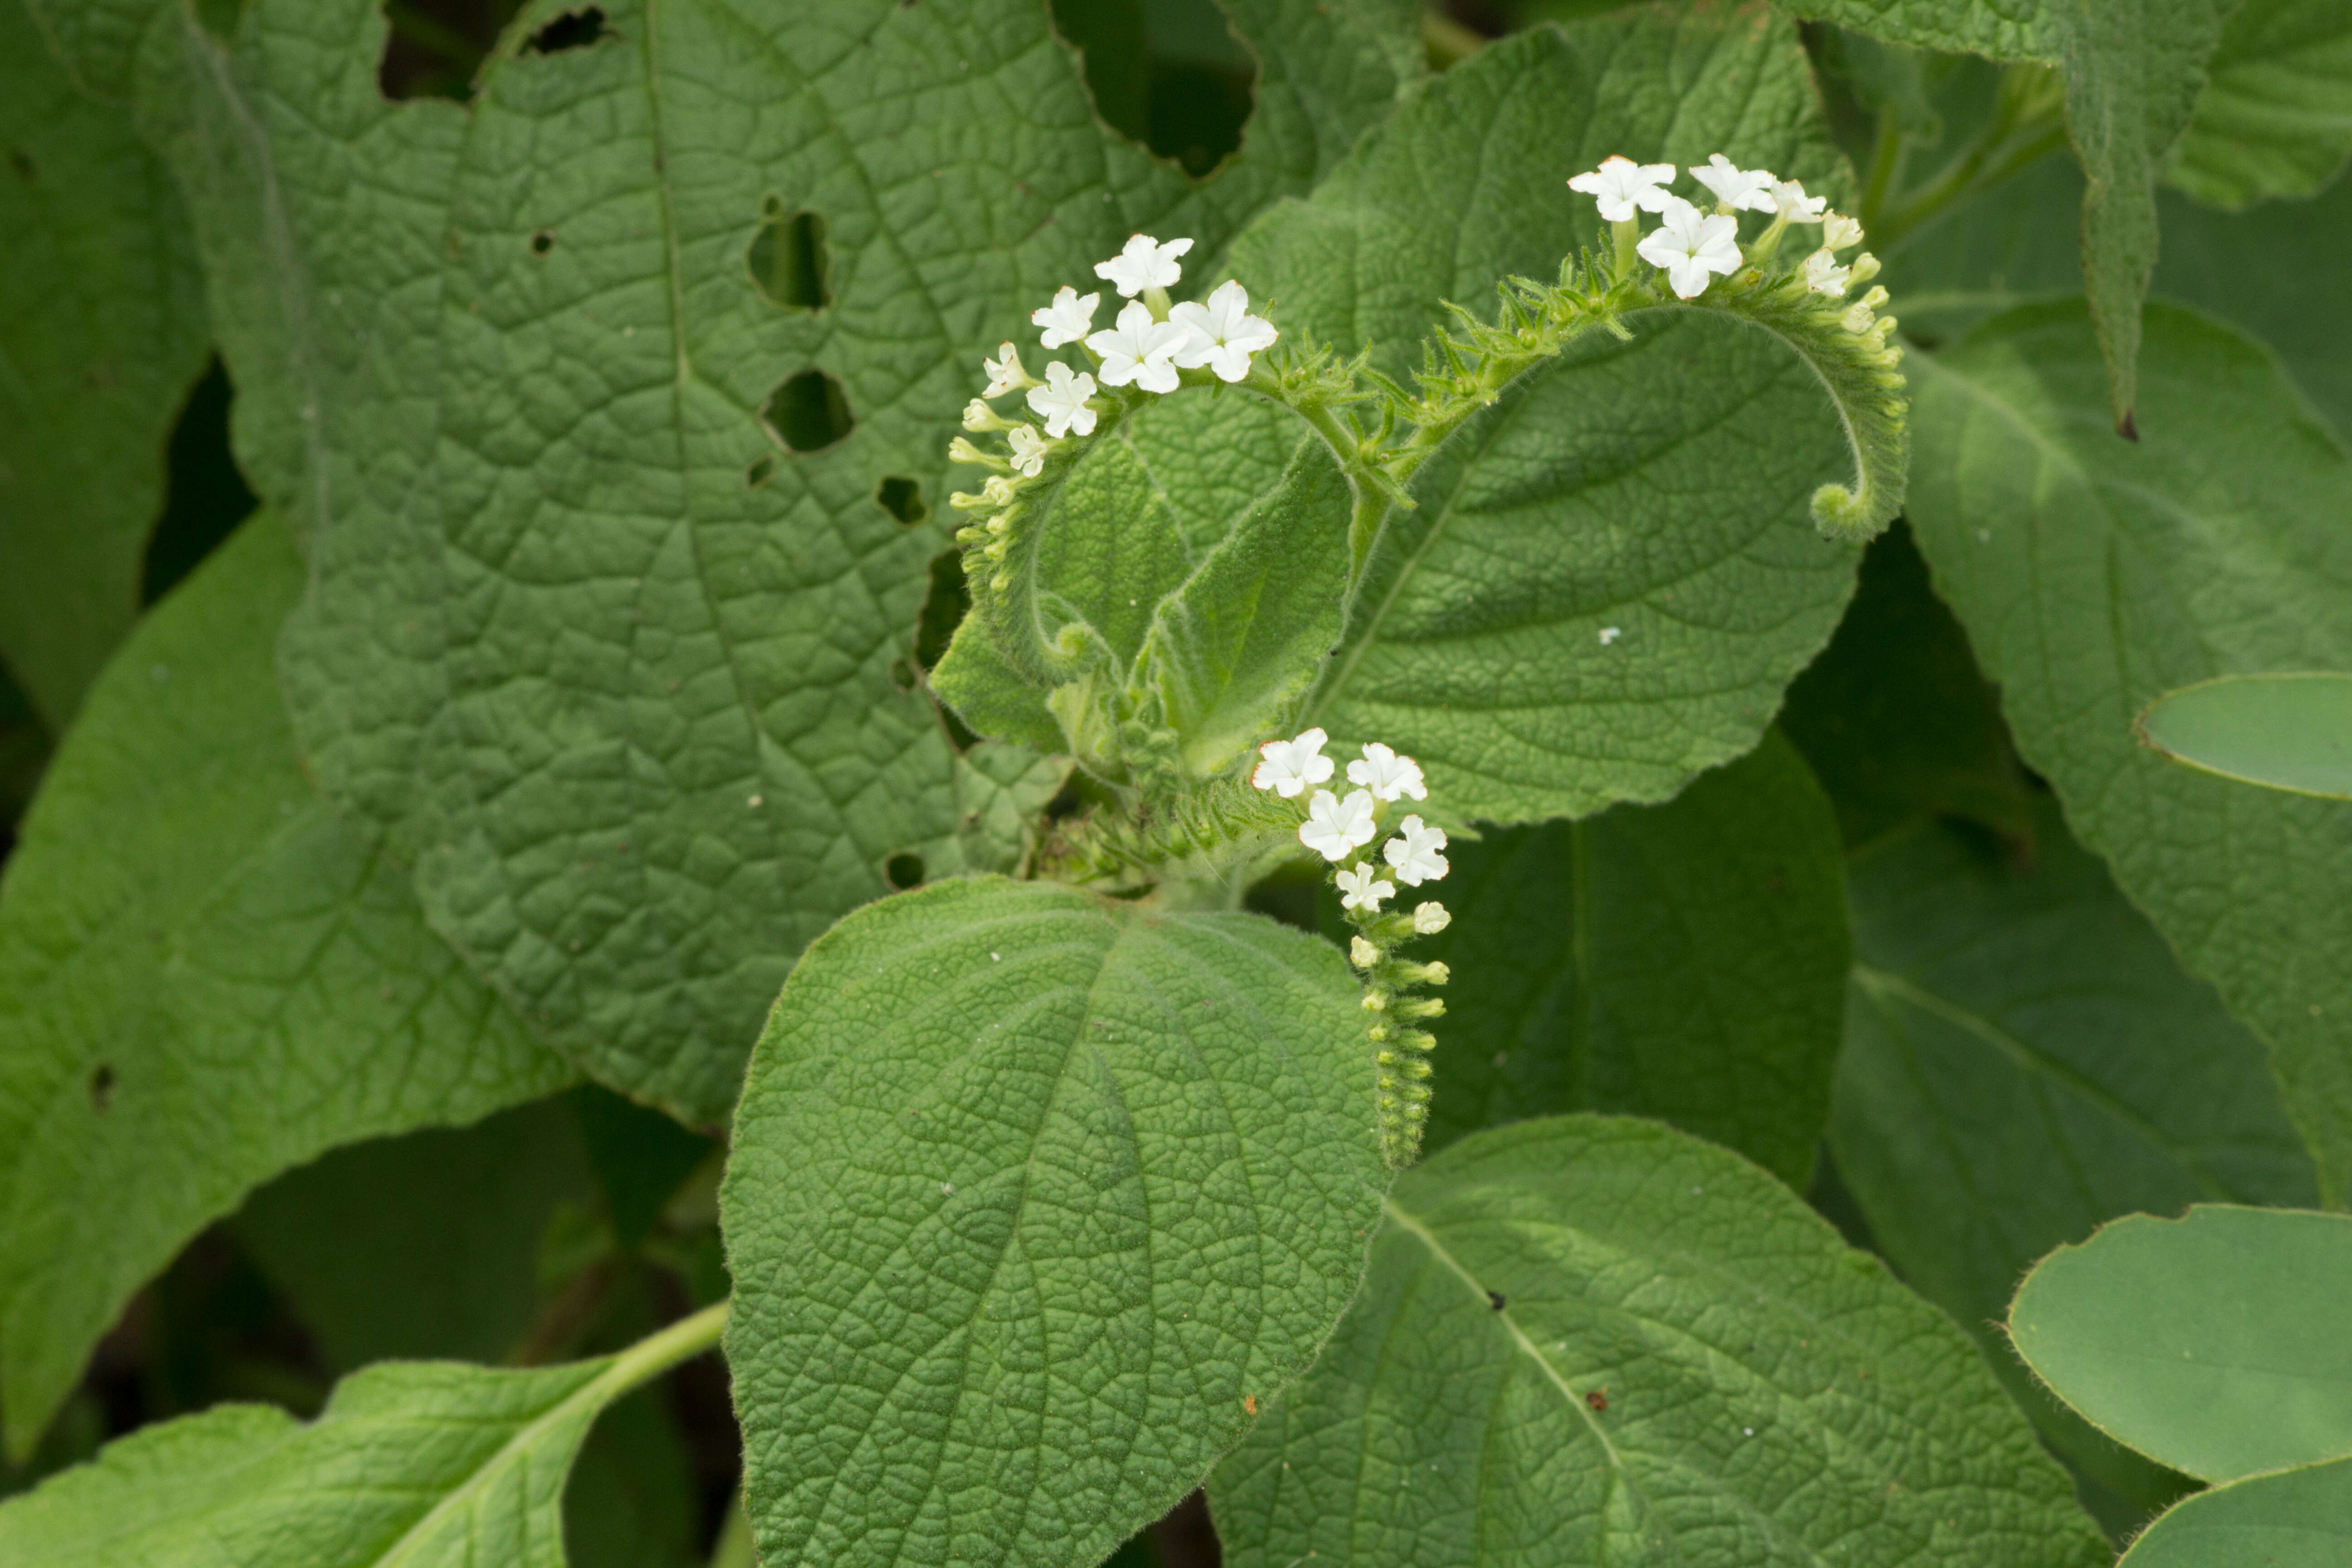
1611, 576
2094, 574
1684, 961
414, 1463
205, 976
2294, 1519
102, 333
1588, 1340
2023, 1060
2214, 1342
1035, 1199
606, 603
2275, 118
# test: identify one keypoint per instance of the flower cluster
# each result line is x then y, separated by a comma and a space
1693, 246
1144, 347
1343, 829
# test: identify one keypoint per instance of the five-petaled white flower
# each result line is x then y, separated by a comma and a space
1690, 244
1062, 400
1737, 187
1139, 350
1144, 264
1222, 334
1430, 918
1004, 371
1336, 829
1414, 852
1286, 767
1028, 450
1789, 196
1621, 184
1823, 275
1386, 775
1068, 318
1840, 232
1361, 954
1358, 890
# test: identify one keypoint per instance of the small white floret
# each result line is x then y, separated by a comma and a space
1004, 371
1430, 918
1068, 318
1621, 184
1386, 775
1822, 274
1789, 199
1735, 187
1028, 451
1138, 349
1840, 232
1337, 828
1062, 400
1287, 767
1690, 244
1222, 334
1358, 890
1145, 263
1415, 852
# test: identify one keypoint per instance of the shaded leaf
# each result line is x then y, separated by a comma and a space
2276, 117
2295, 1518
2284, 732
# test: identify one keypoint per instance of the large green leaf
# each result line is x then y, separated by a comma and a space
1611, 576
1588, 1340
411, 1464
2214, 1342
2024, 1060
2094, 574
2291, 732
2295, 1518
615, 659
102, 333
1035, 1199
1684, 961
2275, 118
205, 976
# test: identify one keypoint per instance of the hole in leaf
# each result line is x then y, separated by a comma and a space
903, 499
904, 675
945, 603
102, 1087
1167, 73
573, 30
759, 473
543, 242
204, 497
789, 259
905, 869
431, 48
808, 412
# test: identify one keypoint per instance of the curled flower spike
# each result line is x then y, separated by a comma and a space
1287, 767
1690, 244
1139, 350
1840, 232
1429, 919
1220, 335
1736, 189
1621, 184
1004, 371
1068, 318
1062, 400
1414, 852
1388, 775
1794, 206
1358, 890
1337, 828
1822, 275
1028, 451
1144, 264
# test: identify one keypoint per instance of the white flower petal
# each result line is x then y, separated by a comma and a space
1415, 852
1062, 400
1068, 318
1145, 263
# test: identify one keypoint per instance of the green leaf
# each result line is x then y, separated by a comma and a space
96, 40
2257, 269
1659, 488
102, 334
1684, 961
2024, 1060
2284, 732
2275, 118
1895, 717
2000, 29
1588, 1341
613, 657
205, 976
2094, 574
1035, 1198
418, 1464
2214, 1342
2297, 1519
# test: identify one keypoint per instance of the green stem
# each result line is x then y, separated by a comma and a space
2028, 124
656, 1354
1886, 162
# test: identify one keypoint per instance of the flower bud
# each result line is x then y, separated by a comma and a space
1864, 268
1362, 953
1430, 918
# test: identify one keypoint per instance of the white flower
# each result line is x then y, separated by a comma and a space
1822, 274
1790, 198
1358, 891
1690, 244
1386, 775
1737, 187
1139, 350
1062, 400
1430, 918
1004, 371
1621, 184
1028, 450
1144, 264
1222, 334
1840, 232
1334, 828
1286, 767
1362, 953
1067, 319
1414, 852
